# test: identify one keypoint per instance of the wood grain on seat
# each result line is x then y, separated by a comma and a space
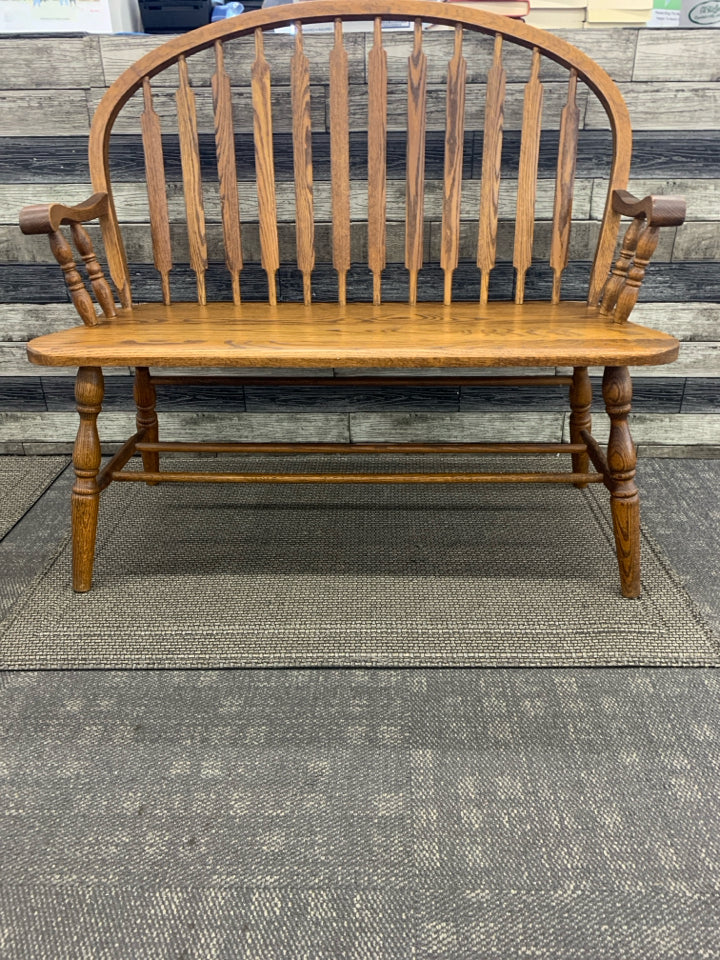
358, 334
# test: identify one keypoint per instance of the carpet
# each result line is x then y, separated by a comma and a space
351, 575
366, 814
22, 480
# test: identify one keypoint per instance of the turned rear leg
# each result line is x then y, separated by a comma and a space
89, 391
146, 418
580, 404
621, 460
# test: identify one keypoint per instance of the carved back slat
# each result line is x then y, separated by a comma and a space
490, 185
377, 159
265, 166
227, 170
340, 159
415, 164
380, 113
452, 180
192, 181
302, 157
156, 190
527, 176
564, 186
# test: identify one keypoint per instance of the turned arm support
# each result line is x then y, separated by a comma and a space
639, 243
47, 218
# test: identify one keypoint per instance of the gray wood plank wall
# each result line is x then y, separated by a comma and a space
670, 80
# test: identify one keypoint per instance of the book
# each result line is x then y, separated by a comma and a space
567, 18
506, 8
613, 15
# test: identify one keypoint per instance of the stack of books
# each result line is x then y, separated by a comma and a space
507, 8
618, 13
558, 14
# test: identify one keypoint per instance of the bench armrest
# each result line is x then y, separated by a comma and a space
47, 217
663, 211
641, 237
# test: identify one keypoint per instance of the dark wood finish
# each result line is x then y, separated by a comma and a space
664, 211
580, 420
377, 159
340, 160
490, 185
81, 299
101, 288
415, 178
302, 152
564, 186
118, 460
527, 176
265, 166
182, 477
157, 190
86, 461
522, 449
48, 217
616, 281
146, 419
227, 170
192, 180
394, 381
621, 461
321, 334
452, 180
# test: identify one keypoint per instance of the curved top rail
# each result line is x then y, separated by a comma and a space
315, 11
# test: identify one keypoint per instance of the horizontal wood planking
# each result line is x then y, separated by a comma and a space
664, 159
663, 155
657, 58
114, 426
681, 105
73, 62
132, 206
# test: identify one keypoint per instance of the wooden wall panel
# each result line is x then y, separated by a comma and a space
674, 102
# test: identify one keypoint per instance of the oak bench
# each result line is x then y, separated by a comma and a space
442, 333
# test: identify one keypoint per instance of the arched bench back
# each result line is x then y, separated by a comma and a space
378, 113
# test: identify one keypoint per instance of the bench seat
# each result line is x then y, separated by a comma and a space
499, 334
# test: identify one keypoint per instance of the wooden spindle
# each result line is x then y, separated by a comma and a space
415, 164
621, 461
265, 166
302, 157
101, 288
616, 280
377, 159
340, 160
564, 186
85, 499
492, 152
227, 170
192, 181
627, 298
527, 176
156, 190
82, 301
452, 180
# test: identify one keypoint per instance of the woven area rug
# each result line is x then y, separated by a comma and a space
421, 575
365, 814
22, 480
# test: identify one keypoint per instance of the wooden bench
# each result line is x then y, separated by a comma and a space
483, 333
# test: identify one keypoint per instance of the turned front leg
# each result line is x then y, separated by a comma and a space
146, 418
621, 459
89, 391
580, 404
